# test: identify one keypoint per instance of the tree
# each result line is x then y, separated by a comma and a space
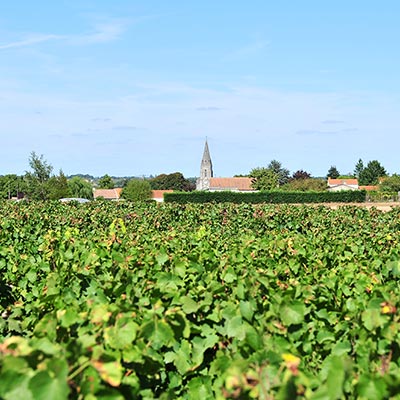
371, 173
359, 168
305, 185
333, 172
390, 184
106, 182
58, 187
174, 181
137, 190
264, 179
282, 173
300, 174
12, 185
81, 188
36, 180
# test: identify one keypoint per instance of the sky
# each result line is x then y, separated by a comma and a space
134, 88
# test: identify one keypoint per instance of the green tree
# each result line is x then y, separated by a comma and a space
36, 180
359, 168
300, 174
264, 179
12, 185
174, 181
333, 172
58, 187
106, 182
137, 190
390, 184
81, 188
305, 185
282, 173
371, 173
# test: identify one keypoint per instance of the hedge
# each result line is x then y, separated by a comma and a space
356, 196
377, 196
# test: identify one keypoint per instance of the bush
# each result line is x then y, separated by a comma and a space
376, 196
275, 197
137, 190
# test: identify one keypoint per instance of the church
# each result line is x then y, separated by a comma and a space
206, 180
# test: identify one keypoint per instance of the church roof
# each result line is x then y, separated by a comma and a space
108, 194
206, 153
239, 183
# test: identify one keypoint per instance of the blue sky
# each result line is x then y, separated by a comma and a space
134, 87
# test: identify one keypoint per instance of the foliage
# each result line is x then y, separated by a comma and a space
80, 188
282, 173
174, 181
300, 174
137, 190
12, 185
333, 172
305, 185
41, 169
263, 179
390, 184
125, 301
37, 187
276, 197
40, 184
271, 177
359, 168
106, 182
371, 173
58, 187
380, 196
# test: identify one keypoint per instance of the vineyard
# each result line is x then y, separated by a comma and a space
214, 301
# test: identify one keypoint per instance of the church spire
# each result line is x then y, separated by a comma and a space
206, 171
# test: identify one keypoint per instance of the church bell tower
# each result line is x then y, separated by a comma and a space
206, 171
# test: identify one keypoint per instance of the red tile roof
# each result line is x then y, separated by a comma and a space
350, 181
242, 183
369, 187
159, 194
108, 194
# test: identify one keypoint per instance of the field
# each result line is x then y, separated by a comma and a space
379, 206
124, 301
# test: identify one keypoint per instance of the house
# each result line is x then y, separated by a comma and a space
207, 181
240, 184
369, 188
335, 185
107, 194
158, 195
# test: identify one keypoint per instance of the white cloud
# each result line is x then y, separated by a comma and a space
332, 122
31, 40
316, 132
104, 32
248, 49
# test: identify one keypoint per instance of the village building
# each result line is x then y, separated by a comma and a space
115, 194
158, 195
335, 185
208, 182
107, 194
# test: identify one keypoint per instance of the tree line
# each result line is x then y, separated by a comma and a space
276, 176
40, 183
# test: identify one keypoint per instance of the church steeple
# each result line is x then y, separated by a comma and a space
206, 164
206, 171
